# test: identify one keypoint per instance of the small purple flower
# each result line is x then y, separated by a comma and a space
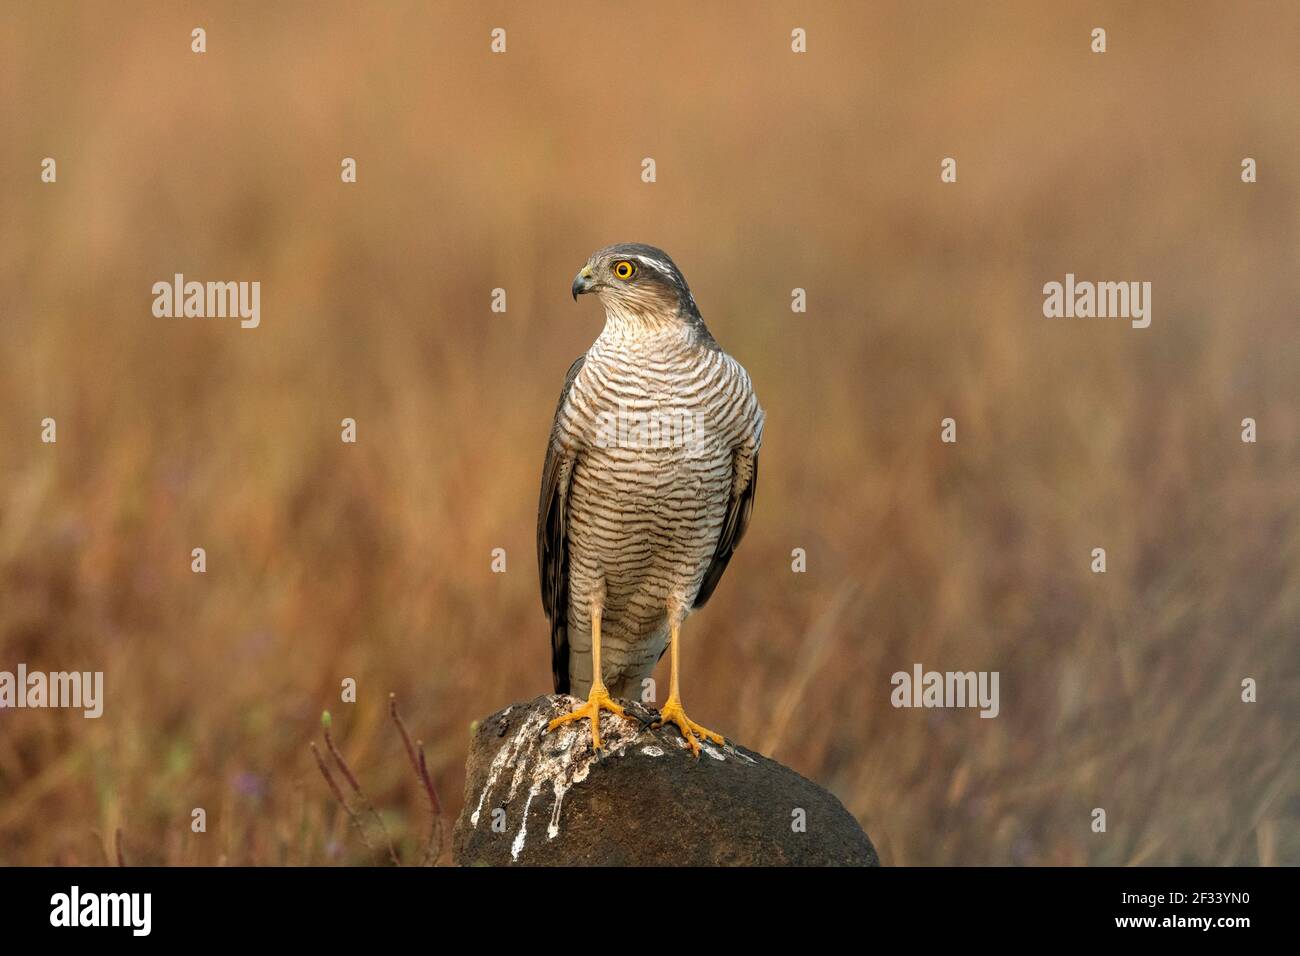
249, 784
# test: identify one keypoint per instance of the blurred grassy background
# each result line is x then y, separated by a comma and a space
774, 171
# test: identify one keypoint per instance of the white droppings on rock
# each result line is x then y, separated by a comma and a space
709, 749
553, 828
653, 751
517, 846
499, 763
557, 760
739, 753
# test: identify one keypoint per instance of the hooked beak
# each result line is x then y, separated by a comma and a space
583, 282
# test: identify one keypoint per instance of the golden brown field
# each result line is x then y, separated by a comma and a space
775, 171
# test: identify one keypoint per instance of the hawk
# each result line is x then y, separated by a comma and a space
647, 487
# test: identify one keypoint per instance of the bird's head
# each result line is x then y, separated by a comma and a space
635, 280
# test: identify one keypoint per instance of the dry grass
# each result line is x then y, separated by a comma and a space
372, 561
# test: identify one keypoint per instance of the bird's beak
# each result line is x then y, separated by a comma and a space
582, 282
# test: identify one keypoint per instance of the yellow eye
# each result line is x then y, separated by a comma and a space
624, 270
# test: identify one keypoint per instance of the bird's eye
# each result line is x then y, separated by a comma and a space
624, 270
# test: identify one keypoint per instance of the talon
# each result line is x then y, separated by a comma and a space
597, 701
673, 713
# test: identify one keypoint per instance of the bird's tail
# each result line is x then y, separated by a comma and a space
560, 656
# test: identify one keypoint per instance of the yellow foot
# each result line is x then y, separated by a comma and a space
673, 713
597, 701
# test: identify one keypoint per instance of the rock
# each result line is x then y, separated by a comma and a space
546, 800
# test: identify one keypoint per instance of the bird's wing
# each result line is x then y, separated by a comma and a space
553, 540
739, 508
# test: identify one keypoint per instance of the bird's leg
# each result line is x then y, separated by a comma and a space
598, 699
672, 712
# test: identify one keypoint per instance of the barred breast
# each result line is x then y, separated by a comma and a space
662, 414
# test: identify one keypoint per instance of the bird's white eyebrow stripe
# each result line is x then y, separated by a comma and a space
654, 264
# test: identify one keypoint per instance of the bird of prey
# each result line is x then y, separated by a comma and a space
647, 488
